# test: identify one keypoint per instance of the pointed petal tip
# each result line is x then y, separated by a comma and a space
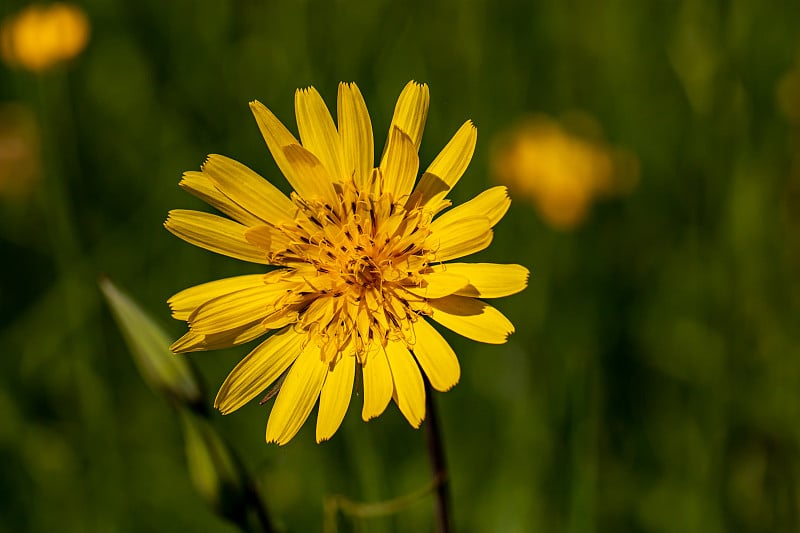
205, 162
217, 404
415, 85
451, 385
222, 401
219, 401
175, 347
417, 423
169, 222
257, 107
309, 89
279, 439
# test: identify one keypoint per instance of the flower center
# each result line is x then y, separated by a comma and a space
361, 261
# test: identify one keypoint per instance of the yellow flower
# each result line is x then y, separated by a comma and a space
560, 172
41, 36
361, 260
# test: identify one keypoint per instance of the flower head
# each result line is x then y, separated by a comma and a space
360, 253
41, 36
560, 172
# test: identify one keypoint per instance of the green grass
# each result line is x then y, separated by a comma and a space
652, 384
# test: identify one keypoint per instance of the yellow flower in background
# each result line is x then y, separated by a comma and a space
20, 152
560, 172
41, 36
361, 256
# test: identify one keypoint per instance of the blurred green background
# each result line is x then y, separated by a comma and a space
653, 383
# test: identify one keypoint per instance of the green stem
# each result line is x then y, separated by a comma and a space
438, 485
433, 435
370, 510
259, 508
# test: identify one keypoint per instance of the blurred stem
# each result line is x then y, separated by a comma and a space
58, 212
55, 115
585, 401
260, 510
439, 484
336, 503
438, 464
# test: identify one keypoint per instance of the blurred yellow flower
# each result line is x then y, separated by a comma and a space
361, 264
20, 156
41, 36
560, 172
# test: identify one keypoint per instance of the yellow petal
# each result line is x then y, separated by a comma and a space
237, 309
446, 169
188, 343
200, 185
399, 165
491, 203
318, 132
196, 342
281, 317
439, 283
319, 312
378, 384
298, 395
311, 179
259, 369
452, 238
213, 233
268, 238
410, 112
409, 389
186, 301
276, 136
487, 280
252, 192
335, 397
355, 131
435, 356
472, 318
